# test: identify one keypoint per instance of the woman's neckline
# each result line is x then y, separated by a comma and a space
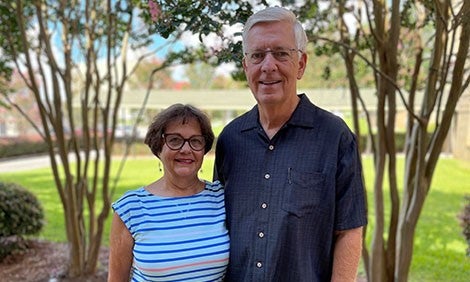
159, 189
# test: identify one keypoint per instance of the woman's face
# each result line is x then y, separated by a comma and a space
186, 161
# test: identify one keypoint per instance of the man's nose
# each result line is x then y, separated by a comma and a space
269, 63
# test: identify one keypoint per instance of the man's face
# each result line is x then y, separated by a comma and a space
272, 76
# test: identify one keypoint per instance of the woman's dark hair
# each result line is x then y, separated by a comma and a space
177, 112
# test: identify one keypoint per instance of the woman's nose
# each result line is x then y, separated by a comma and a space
186, 146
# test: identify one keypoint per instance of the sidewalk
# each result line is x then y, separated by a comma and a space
34, 162
26, 163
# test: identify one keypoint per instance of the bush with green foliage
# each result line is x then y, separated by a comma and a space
20, 214
16, 148
12, 245
20, 211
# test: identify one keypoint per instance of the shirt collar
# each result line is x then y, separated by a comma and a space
301, 117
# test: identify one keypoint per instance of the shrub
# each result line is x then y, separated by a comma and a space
400, 140
465, 222
20, 211
20, 214
11, 245
15, 148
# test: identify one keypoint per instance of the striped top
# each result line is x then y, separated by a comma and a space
177, 238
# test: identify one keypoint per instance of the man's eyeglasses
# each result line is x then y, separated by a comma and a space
176, 142
281, 55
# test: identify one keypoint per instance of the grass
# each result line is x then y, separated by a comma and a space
439, 246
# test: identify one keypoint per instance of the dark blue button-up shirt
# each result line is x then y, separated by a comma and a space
286, 197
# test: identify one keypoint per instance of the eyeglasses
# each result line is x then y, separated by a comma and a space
176, 142
281, 55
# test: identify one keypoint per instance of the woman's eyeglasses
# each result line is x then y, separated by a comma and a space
176, 142
281, 55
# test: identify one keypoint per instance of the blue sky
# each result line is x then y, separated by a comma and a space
160, 41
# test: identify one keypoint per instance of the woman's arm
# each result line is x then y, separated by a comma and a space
121, 244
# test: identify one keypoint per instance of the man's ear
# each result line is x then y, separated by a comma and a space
302, 65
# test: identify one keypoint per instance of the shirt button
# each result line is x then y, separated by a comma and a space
271, 147
261, 234
267, 176
264, 205
259, 264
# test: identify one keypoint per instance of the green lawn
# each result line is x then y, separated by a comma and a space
439, 246
439, 252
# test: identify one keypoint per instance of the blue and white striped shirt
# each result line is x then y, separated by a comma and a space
177, 238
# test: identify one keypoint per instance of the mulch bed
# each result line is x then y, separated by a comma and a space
46, 261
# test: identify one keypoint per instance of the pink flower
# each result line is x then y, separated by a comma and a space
154, 10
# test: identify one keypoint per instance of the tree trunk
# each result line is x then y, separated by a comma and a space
80, 175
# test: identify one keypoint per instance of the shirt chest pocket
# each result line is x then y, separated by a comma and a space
303, 192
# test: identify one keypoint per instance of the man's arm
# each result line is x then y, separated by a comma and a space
347, 254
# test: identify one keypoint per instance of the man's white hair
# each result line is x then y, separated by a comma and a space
276, 14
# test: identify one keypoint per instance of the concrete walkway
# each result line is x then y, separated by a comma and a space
22, 164
38, 161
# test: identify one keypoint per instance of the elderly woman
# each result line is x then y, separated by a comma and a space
173, 228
